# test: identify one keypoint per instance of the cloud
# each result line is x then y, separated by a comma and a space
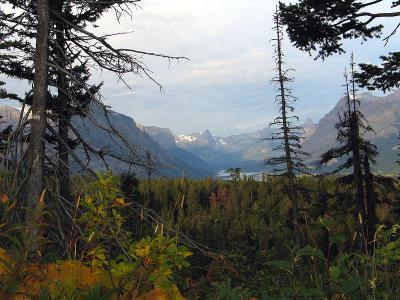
249, 66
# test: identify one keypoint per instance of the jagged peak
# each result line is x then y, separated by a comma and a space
207, 132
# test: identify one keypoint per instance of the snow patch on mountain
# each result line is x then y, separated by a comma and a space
221, 141
184, 138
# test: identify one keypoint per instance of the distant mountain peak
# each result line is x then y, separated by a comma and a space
207, 133
9, 116
208, 137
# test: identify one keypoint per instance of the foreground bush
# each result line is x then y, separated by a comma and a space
105, 261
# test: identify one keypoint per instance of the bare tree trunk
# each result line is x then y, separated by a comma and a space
36, 149
289, 161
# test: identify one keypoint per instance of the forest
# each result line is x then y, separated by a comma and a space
72, 230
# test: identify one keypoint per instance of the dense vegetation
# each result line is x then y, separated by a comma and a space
239, 234
246, 225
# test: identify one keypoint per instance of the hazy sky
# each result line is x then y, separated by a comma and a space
225, 85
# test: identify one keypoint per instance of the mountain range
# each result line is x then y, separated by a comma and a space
169, 161
204, 154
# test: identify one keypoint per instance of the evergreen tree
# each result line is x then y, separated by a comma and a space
357, 152
289, 134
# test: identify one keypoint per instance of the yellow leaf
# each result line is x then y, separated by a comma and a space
143, 251
78, 201
89, 200
119, 202
91, 236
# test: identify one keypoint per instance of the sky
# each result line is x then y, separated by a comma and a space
225, 86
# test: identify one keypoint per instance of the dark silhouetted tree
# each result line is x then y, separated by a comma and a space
234, 173
322, 25
72, 49
356, 151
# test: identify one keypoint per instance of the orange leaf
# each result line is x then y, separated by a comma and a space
4, 198
11, 206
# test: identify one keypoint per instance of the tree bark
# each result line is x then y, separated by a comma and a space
358, 180
36, 149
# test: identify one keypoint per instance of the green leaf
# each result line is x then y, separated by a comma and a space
311, 293
326, 223
283, 264
351, 285
310, 251
338, 239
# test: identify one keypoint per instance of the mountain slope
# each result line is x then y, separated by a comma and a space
9, 116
